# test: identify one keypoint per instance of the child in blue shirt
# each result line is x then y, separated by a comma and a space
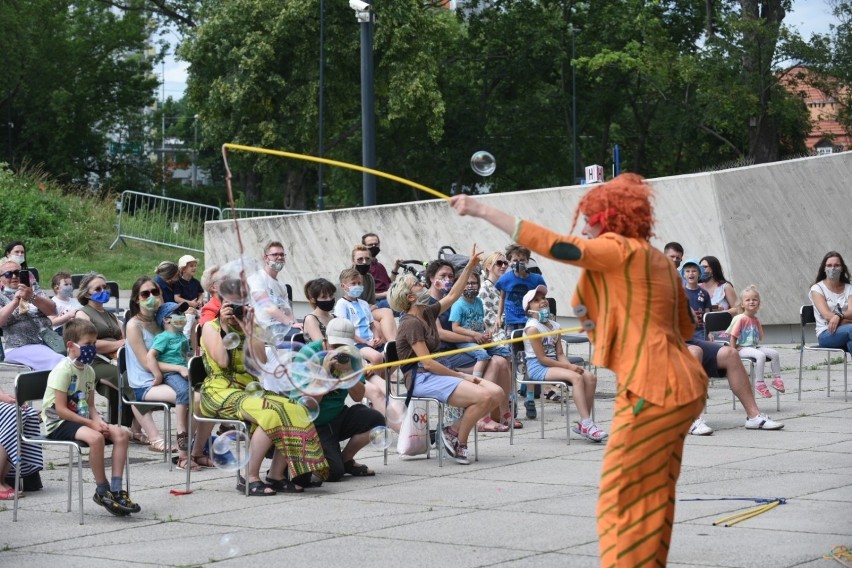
699, 299
514, 284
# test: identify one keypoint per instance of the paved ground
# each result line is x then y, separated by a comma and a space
527, 504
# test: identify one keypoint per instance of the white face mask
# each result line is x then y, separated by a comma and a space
17, 258
9, 290
276, 265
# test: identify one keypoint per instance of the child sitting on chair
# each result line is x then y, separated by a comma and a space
546, 360
747, 333
69, 413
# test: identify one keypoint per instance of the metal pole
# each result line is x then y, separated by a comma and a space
574, 101
321, 146
195, 156
163, 132
368, 112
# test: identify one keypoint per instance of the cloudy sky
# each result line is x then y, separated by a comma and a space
807, 16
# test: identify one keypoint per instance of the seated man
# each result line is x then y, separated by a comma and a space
721, 360
377, 270
337, 421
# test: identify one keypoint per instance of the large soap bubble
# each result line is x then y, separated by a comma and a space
483, 163
230, 450
346, 364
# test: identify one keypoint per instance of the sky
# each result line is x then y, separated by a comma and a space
807, 16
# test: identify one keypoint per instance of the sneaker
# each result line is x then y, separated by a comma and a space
530, 406
762, 389
108, 502
777, 384
590, 432
762, 422
126, 504
450, 441
700, 428
461, 455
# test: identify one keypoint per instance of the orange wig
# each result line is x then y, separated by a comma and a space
622, 206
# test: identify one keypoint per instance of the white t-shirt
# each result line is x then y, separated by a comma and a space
268, 295
549, 342
64, 306
832, 299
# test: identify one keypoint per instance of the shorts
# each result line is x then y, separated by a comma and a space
710, 351
175, 381
535, 370
67, 431
486, 354
458, 361
430, 385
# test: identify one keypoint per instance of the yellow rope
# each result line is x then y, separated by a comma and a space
731, 520
466, 349
841, 554
326, 161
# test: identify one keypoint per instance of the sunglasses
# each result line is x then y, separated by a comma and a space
12, 274
502, 263
145, 294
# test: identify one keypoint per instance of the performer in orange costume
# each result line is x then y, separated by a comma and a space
635, 297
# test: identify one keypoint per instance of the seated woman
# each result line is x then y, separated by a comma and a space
166, 276
17, 252
210, 282
30, 458
547, 361
494, 266
418, 336
24, 313
723, 297
830, 296
93, 296
276, 420
142, 327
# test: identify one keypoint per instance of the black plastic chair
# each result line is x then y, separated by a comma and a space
806, 318
30, 386
113, 290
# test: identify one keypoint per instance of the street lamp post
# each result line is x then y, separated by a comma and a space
195, 155
574, 148
368, 113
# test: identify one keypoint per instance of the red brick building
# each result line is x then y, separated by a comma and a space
827, 136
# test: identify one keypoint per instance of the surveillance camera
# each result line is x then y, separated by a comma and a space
359, 6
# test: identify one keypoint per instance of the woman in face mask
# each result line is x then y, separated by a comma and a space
24, 312
830, 296
418, 336
17, 252
723, 297
93, 294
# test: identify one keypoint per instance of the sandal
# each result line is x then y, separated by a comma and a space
9, 494
182, 462
182, 438
553, 396
284, 485
505, 421
159, 446
139, 438
256, 488
357, 469
203, 462
489, 425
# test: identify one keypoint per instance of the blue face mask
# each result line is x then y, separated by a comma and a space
87, 353
543, 315
101, 297
356, 291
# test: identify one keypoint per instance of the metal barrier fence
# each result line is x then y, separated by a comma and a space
173, 222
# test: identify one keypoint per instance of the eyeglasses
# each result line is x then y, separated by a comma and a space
98, 289
362, 260
501, 263
12, 274
145, 294
277, 255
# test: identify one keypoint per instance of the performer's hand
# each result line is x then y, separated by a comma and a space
467, 205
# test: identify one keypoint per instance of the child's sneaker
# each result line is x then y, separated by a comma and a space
450, 440
531, 412
777, 384
762, 422
126, 503
761, 387
461, 455
590, 431
108, 502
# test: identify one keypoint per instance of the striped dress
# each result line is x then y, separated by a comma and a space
31, 459
634, 296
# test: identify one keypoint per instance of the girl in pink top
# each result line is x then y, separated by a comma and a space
747, 333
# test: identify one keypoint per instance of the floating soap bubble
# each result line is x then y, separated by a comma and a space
346, 364
310, 377
228, 545
381, 438
483, 163
230, 450
310, 404
231, 340
254, 389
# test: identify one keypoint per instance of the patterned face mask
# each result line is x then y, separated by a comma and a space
87, 353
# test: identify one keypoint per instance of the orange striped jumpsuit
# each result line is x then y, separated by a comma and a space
635, 298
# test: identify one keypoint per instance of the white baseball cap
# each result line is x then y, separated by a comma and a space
340, 331
528, 297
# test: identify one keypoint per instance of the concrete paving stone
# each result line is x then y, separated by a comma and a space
51, 560
553, 560
576, 505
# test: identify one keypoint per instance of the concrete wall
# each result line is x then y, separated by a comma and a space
770, 225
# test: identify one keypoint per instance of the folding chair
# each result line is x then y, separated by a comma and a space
166, 407
806, 317
31, 386
721, 321
392, 356
197, 374
519, 369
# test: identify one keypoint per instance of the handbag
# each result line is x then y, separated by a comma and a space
53, 340
413, 435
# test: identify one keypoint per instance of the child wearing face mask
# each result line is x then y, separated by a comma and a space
63, 296
546, 360
368, 337
69, 413
167, 363
516, 282
320, 295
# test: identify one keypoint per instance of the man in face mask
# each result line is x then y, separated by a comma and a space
269, 295
363, 261
377, 270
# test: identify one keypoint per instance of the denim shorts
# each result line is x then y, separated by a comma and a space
175, 381
535, 370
